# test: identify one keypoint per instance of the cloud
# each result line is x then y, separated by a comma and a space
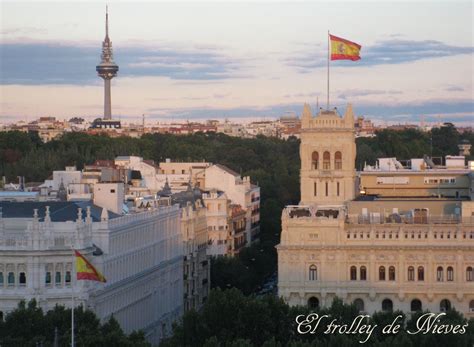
446, 110
23, 31
302, 95
394, 51
452, 88
352, 93
48, 63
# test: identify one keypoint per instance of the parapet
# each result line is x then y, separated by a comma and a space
327, 119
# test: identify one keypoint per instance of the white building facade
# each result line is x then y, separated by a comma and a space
241, 192
140, 255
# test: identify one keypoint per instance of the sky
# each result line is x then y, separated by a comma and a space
237, 60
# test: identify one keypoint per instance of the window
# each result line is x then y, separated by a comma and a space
338, 161
391, 273
471, 306
57, 278
359, 304
315, 189
450, 274
315, 161
439, 274
1, 279
353, 273
387, 305
326, 161
47, 279
313, 273
68, 277
411, 273
415, 305
444, 305
327, 189
363, 273
382, 273
22, 279
112, 190
11, 278
338, 188
421, 273
469, 274
313, 303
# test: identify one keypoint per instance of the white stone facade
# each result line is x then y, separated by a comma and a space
142, 261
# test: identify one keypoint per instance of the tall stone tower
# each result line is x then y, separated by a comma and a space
107, 69
327, 152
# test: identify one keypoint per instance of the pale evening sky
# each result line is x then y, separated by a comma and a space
196, 60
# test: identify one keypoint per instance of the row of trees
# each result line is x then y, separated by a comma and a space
230, 318
28, 325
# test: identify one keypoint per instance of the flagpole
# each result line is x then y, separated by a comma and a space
72, 296
329, 52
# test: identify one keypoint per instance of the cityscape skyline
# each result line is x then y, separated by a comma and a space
265, 60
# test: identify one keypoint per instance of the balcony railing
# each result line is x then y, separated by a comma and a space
408, 219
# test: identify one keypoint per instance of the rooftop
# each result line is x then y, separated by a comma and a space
59, 211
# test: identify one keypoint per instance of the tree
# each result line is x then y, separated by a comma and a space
27, 325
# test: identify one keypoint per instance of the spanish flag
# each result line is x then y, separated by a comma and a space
344, 49
85, 270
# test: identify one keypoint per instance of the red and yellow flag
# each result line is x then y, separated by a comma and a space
85, 270
344, 49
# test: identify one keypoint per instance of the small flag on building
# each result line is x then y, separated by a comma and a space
342, 49
85, 270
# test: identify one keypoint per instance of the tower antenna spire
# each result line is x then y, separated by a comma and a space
106, 21
107, 69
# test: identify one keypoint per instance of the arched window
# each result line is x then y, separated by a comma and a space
22, 279
439, 274
315, 161
326, 161
415, 305
391, 273
421, 273
444, 305
313, 273
382, 273
338, 161
411, 273
363, 273
313, 302
469, 274
450, 274
353, 273
471, 306
11, 278
387, 305
359, 304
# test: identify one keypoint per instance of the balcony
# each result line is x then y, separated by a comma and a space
408, 219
